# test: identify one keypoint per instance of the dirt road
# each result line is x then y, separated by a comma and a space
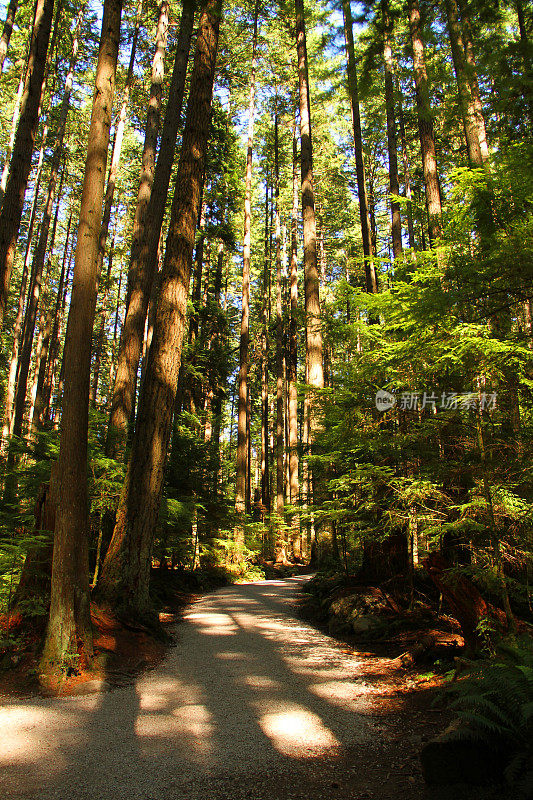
249, 703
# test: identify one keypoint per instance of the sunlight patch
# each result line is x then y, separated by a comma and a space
298, 728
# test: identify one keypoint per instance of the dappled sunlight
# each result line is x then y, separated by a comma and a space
341, 693
213, 623
247, 684
300, 730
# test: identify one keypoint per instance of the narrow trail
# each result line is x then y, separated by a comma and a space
249, 703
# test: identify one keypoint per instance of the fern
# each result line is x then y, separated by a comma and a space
495, 703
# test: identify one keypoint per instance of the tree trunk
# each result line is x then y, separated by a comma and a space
315, 371
425, 124
406, 172
13, 202
466, 101
370, 271
42, 401
33, 302
125, 573
474, 84
43, 340
241, 469
42, 244
265, 480
280, 495
292, 371
117, 147
143, 263
525, 47
8, 30
69, 629
18, 331
392, 147
100, 336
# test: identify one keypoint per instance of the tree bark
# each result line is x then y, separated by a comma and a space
474, 83
425, 125
13, 202
69, 628
146, 235
100, 336
525, 47
241, 466
42, 400
406, 171
466, 100
125, 573
117, 147
353, 90
42, 244
392, 146
315, 369
280, 494
8, 30
43, 339
292, 371
265, 480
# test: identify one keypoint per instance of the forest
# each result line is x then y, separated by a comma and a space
266, 305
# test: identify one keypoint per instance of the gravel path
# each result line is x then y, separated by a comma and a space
250, 703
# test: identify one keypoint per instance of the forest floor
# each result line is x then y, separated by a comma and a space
250, 701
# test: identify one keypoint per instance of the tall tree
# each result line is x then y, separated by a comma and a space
425, 124
126, 569
42, 243
8, 30
13, 202
69, 627
292, 370
147, 232
362, 196
392, 146
313, 321
242, 416
466, 100
117, 145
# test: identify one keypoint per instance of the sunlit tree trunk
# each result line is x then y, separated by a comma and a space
43, 341
42, 243
241, 466
117, 146
370, 271
315, 371
292, 367
147, 232
69, 628
473, 81
100, 336
33, 303
466, 101
42, 404
8, 30
392, 147
13, 202
125, 573
265, 480
525, 47
280, 495
406, 172
425, 124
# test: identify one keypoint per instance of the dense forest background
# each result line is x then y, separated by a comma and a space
266, 298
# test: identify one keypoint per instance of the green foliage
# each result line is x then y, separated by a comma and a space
495, 704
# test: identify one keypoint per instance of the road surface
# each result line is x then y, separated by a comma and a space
250, 703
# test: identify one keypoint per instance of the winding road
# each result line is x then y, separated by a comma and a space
250, 703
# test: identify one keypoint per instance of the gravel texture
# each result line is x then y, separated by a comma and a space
249, 703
